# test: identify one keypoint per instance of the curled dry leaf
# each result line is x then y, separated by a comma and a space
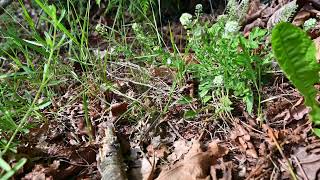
257, 23
196, 164
301, 17
118, 108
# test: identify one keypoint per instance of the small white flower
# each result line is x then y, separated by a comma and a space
310, 23
169, 61
231, 27
218, 80
186, 19
199, 8
135, 26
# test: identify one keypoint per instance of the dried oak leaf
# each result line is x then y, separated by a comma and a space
196, 164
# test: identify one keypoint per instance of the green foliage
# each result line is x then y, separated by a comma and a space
227, 60
296, 54
237, 11
8, 172
26, 84
137, 8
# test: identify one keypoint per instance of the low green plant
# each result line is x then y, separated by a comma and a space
228, 62
296, 55
35, 70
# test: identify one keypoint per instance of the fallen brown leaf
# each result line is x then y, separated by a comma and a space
118, 108
196, 165
242, 137
301, 17
299, 111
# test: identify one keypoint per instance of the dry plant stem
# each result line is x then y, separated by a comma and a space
290, 168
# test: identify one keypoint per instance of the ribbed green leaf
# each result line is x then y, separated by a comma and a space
296, 55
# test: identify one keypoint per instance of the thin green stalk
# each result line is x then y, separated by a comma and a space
86, 115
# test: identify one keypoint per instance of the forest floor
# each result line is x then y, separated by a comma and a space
142, 106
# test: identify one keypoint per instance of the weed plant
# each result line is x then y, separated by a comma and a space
230, 65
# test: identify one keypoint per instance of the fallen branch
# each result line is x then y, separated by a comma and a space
110, 162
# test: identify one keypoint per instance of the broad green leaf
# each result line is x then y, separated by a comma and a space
316, 131
248, 99
296, 54
189, 114
12, 171
4, 165
43, 105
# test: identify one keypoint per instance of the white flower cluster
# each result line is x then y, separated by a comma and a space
198, 10
186, 19
310, 23
135, 26
231, 27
